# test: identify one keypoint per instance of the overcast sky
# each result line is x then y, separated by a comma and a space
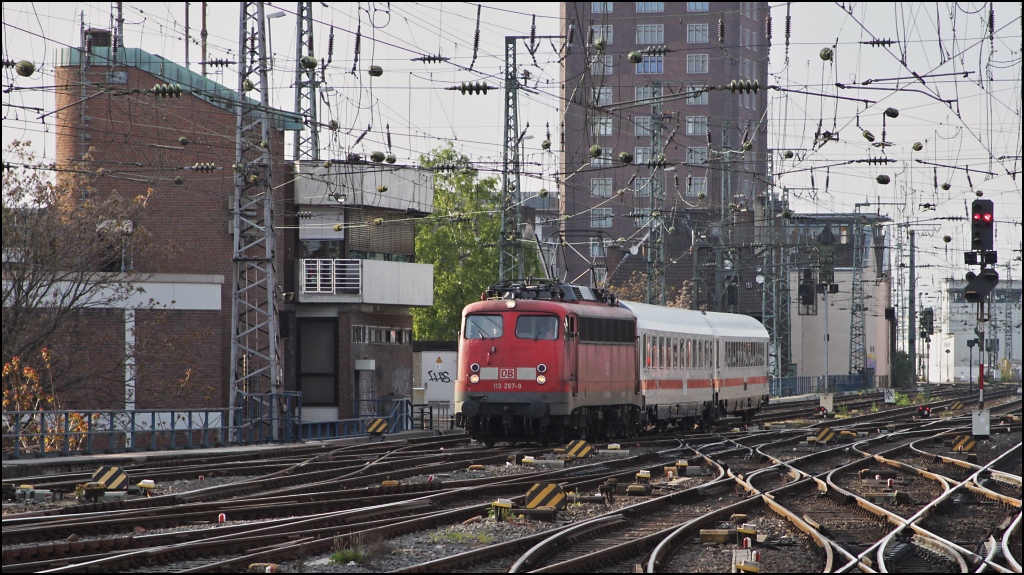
948, 46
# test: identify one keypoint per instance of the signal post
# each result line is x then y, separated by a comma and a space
980, 285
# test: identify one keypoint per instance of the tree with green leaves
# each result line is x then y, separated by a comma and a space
460, 239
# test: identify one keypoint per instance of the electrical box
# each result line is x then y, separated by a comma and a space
826, 402
981, 424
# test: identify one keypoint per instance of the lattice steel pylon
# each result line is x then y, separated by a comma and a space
858, 351
255, 363
656, 261
306, 147
510, 245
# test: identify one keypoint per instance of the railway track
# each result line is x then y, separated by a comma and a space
308, 510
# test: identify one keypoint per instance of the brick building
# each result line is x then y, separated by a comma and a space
646, 78
333, 285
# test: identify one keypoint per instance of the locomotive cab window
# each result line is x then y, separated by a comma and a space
481, 326
537, 327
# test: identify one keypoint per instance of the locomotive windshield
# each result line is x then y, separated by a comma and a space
537, 327
479, 326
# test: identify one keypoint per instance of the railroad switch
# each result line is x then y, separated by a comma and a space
878, 474
9, 491
738, 517
643, 476
502, 508
94, 490
389, 483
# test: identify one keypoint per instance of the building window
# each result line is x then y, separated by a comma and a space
602, 31
697, 94
696, 125
600, 276
599, 247
601, 187
652, 65
697, 33
601, 7
650, 6
642, 155
696, 185
643, 126
601, 218
696, 64
601, 96
641, 218
318, 361
605, 159
650, 33
697, 156
602, 65
646, 94
643, 187
697, 6
601, 126
373, 334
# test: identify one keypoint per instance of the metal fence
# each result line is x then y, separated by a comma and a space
789, 386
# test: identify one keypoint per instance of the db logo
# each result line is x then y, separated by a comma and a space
506, 373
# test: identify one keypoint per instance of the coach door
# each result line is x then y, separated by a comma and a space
572, 342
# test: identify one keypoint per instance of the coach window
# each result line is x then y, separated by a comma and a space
537, 327
675, 353
483, 326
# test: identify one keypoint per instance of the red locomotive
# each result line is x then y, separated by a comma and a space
546, 361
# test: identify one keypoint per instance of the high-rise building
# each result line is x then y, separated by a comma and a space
663, 161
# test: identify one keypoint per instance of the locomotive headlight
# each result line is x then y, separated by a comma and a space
541, 368
474, 378
474, 367
510, 304
542, 379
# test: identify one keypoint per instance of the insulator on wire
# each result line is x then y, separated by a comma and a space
219, 62
203, 167
656, 50
330, 46
24, 68
387, 130
431, 59
472, 88
768, 27
167, 90
359, 37
878, 42
991, 21
744, 86
721, 30
476, 37
533, 30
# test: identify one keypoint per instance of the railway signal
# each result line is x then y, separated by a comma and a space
982, 223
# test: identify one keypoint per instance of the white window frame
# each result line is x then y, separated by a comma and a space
651, 64
697, 98
697, 155
601, 126
697, 6
642, 126
602, 65
696, 64
646, 94
695, 185
605, 31
696, 125
600, 276
602, 7
696, 33
650, 34
601, 187
649, 7
642, 218
601, 218
599, 247
601, 96
643, 187
642, 155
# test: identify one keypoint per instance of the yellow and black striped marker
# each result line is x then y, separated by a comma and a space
825, 435
377, 426
113, 477
545, 495
964, 443
956, 405
579, 448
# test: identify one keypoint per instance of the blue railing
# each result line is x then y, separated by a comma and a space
398, 412
789, 386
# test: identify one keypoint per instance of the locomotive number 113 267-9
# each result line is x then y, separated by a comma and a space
507, 386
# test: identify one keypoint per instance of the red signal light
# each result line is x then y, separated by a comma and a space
986, 217
977, 216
